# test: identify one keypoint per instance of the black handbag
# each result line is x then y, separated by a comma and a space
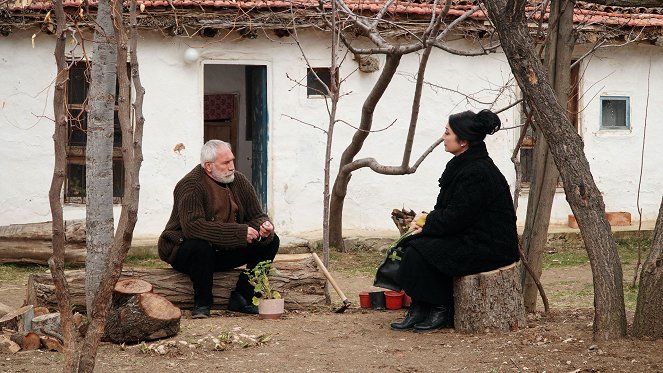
387, 273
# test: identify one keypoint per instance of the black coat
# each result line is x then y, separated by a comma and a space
472, 227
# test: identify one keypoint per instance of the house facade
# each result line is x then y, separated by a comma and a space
254, 88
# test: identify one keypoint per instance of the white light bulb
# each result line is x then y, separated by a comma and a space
191, 55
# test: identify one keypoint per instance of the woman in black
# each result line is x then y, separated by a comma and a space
471, 229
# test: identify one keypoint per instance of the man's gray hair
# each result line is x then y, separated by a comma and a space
209, 151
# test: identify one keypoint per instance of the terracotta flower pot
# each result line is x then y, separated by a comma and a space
394, 299
364, 300
270, 308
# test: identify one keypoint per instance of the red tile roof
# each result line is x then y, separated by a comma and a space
585, 13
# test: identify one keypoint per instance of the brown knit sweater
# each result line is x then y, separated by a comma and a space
193, 215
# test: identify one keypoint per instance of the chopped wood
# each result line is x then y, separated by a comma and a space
130, 286
402, 218
19, 320
40, 311
297, 278
489, 301
51, 344
31, 243
48, 324
141, 317
28, 341
8, 346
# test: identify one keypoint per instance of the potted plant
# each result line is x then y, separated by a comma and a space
270, 303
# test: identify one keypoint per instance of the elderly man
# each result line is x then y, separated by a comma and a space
217, 224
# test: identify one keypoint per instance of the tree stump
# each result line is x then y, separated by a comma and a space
136, 314
489, 301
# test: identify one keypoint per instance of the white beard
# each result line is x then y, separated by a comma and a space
221, 178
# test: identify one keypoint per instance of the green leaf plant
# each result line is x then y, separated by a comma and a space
259, 278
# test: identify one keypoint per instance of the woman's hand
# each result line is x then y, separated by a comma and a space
416, 230
417, 224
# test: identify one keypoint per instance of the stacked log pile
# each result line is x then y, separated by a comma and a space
30, 328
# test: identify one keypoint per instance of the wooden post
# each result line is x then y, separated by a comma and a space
489, 300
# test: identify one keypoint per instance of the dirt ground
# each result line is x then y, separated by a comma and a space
361, 341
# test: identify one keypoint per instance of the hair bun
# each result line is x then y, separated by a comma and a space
488, 121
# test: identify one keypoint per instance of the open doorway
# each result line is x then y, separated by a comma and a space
235, 110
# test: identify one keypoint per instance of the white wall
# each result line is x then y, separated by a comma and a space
173, 111
615, 155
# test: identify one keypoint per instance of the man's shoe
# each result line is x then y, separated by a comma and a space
417, 313
238, 303
439, 317
200, 312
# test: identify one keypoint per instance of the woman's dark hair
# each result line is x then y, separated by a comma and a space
474, 127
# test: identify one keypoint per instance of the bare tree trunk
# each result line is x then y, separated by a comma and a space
565, 144
132, 137
99, 150
56, 263
647, 321
334, 93
558, 50
340, 189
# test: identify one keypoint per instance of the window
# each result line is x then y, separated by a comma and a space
313, 86
615, 112
77, 90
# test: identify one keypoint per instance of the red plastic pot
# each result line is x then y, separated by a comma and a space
394, 299
407, 301
364, 300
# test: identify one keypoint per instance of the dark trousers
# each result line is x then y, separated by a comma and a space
199, 259
423, 281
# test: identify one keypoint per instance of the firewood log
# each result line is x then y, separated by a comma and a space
8, 346
28, 341
19, 320
48, 324
298, 280
51, 344
31, 243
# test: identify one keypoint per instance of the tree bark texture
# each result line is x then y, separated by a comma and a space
99, 150
140, 315
489, 301
545, 176
340, 188
567, 149
647, 321
56, 263
32, 243
298, 280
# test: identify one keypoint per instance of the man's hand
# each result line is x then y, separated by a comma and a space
251, 234
266, 229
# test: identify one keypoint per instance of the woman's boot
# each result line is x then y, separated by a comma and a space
440, 316
418, 312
